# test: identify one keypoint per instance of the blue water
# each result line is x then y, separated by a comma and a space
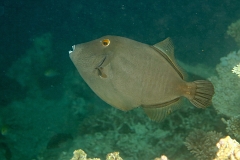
45, 106
2, 10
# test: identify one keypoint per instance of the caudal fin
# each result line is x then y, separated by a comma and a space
202, 97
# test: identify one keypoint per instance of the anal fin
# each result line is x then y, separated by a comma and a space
160, 111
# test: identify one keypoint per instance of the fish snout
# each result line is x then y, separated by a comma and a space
73, 48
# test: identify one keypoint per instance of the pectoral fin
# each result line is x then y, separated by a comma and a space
101, 66
101, 72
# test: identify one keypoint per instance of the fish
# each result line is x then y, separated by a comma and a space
128, 74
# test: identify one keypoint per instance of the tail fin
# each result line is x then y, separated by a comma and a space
202, 97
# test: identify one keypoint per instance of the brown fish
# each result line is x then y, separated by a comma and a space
127, 74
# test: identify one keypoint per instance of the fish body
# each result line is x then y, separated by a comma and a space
127, 74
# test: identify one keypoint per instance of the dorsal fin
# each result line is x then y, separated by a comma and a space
166, 49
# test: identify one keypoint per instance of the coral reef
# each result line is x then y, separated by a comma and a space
200, 70
236, 70
224, 149
81, 155
163, 157
131, 133
228, 149
202, 144
39, 53
227, 87
135, 136
233, 126
113, 156
234, 31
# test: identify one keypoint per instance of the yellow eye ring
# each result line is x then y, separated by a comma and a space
105, 42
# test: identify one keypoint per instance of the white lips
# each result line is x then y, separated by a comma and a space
73, 47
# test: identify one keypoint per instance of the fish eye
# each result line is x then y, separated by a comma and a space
105, 42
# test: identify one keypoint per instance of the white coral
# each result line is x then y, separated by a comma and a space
227, 87
236, 69
229, 149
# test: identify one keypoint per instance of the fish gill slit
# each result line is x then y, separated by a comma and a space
102, 62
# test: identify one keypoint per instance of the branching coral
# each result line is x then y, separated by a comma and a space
233, 126
227, 87
234, 31
202, 144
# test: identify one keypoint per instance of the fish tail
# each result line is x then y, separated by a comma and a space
200, 93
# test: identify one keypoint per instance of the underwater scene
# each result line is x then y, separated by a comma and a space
120, 80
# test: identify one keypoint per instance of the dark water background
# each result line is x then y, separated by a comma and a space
193, 25
198, 29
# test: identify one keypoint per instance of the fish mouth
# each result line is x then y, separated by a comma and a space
73, 47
